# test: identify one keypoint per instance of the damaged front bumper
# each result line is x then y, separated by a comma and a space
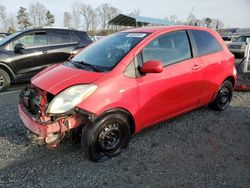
50, 133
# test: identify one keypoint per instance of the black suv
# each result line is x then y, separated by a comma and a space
25, 53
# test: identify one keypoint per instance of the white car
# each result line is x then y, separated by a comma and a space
238, 45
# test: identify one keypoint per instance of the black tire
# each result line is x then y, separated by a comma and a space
75, 135
4, 80
223, 97
106, 138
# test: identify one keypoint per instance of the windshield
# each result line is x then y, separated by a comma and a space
105, 54
8, 38
241, 39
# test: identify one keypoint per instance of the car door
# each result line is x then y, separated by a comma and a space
215, 62
62, 45
177, 88
34, 56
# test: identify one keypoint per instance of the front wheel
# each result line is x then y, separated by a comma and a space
4, 80
106, 138
223, 97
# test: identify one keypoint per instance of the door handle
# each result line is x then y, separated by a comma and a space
196, 67
45, 51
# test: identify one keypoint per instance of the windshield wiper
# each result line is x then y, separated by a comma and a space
93, 67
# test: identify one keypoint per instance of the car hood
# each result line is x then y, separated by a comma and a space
56, 78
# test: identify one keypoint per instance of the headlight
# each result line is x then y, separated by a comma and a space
70, 98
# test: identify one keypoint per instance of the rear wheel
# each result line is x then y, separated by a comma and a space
108, 137
4, 80
223, 97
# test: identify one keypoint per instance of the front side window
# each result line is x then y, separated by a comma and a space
105, 54
32, 40
169, 48
206, 42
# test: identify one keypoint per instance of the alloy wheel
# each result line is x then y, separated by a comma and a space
1, 81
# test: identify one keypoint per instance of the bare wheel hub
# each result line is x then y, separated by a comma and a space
224, 96
110, 137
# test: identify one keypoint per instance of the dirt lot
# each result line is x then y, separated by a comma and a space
200, 149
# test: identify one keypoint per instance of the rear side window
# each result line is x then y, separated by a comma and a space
60, 37
74, 38
206, 43
169, 48
83, 36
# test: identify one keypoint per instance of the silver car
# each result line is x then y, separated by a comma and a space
2, 36
238, 45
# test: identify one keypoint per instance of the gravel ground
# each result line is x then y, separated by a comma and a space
203, 148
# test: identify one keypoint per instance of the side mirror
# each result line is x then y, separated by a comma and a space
18, 48
152, 66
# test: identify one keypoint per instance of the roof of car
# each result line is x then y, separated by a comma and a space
51, 28
164, 28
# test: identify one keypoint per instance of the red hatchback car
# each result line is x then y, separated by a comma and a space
126, 82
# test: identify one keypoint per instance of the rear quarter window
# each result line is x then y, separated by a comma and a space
206, 42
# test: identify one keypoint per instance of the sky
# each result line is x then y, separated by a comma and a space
233, 13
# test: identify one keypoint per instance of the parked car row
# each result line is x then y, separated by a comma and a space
236, 45
3, 35
23, 54
122, 84
228, 39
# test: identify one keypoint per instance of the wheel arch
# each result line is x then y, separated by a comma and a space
123, 112
231, 79
8, 70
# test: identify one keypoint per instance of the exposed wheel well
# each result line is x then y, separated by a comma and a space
123, 112
231, 79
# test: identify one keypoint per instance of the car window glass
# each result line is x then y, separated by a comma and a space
168, 48
109, 51
74, 38
31, 40
206, 43
241, 39
60, 37
130, 70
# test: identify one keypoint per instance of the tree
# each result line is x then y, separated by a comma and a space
219, 24
12, 23
208, 21
3, 18
50, 19
191, 20
88, 14
37, 14
76, 14
94, 21
106, 13
23, 18
136, 12
67, 18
